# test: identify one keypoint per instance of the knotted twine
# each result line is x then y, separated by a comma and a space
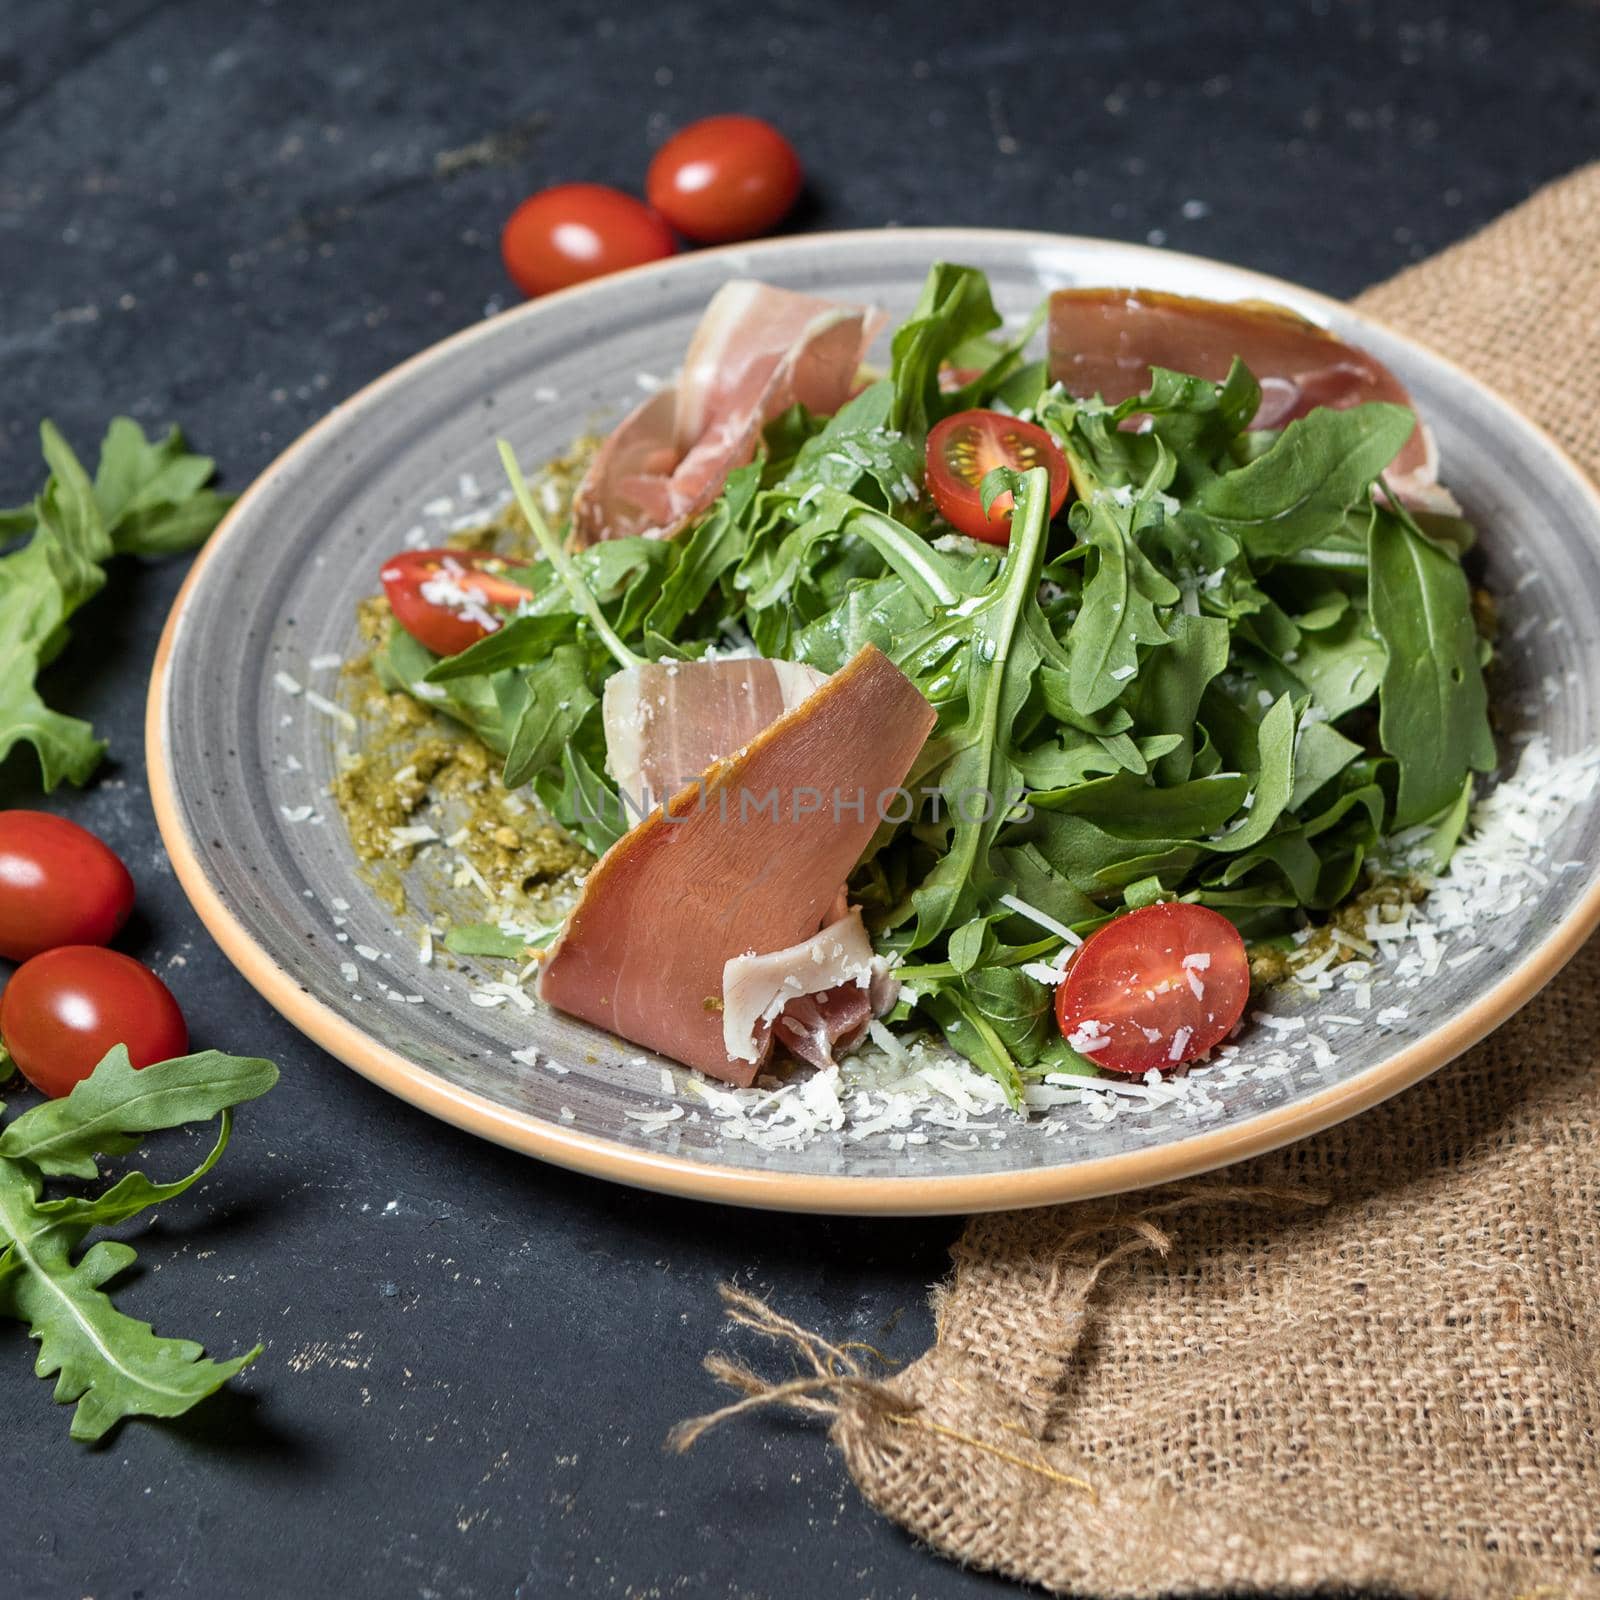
1369, 1361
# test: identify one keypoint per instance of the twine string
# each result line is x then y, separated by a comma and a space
836, 1380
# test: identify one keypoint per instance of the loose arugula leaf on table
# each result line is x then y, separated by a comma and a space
152, 493
112, 1365
116, 1105
147, 498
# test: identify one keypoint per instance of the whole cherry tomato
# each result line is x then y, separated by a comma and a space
58, 885
725, 178
964, 448
63, 1010
577, 231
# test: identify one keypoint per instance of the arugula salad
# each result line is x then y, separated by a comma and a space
1200, 659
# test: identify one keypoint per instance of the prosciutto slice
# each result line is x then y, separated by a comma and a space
744, 863
757, 351
667, 721
1105, 341
817, 997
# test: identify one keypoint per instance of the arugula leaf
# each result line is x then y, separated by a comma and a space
33, 610
710, 552
857, 448
1172, 683
585, 804
110, 1364
1449, 827
582, 595
1016, 1006
973, 1035
520, 641
1320, 466
153, 495
131, 1193
145, 499
1275, 744
1321, 752
488, 705
1119, 602
489, 939
954, 307
110, 1110
1432, 705
966, 945
1002, 656
1342, 664
558, 700
1136, 810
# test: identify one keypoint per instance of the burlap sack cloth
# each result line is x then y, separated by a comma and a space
1228, 1386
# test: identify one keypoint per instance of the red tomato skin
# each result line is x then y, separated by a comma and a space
577, 231
63, 1010
1111, 978
964, 447
444, 631
725, 178
58, 885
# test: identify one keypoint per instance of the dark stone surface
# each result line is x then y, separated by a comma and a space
231, 215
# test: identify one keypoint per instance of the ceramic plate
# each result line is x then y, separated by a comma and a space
234, 758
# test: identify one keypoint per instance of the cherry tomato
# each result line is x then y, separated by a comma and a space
63, 1010
725, 178
1154, 988
444, 598
58, 885
964, 448
577, 231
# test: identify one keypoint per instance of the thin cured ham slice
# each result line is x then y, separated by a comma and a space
667, 721
756, 352
817, 996
1105, 341
747, 861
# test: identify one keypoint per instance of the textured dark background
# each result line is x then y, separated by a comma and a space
231, 215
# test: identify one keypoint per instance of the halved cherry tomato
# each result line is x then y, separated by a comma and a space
1155, 988
725, 178
63, 1010
577, 231
58, 885
445, 599
964, 448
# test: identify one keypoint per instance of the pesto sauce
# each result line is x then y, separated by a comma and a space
413, 765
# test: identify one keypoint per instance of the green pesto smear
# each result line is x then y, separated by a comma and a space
414, 765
